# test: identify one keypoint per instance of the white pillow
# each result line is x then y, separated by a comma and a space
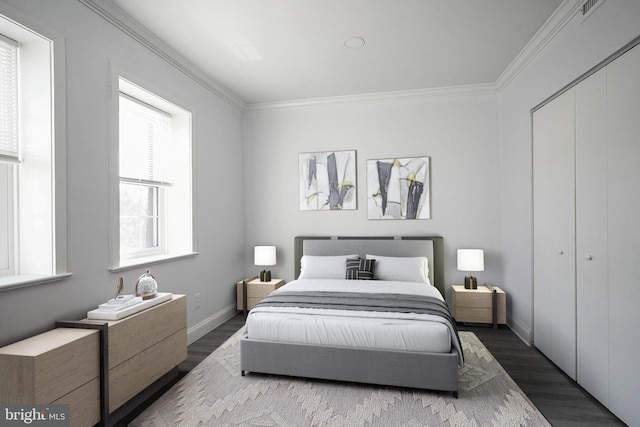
401, 269
324, 267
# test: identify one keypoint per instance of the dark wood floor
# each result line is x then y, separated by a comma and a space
559, 398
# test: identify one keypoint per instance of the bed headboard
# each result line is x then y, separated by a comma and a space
429, 246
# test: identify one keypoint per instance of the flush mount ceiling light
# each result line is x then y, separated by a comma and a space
354, 42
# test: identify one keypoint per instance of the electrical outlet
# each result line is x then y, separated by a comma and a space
197, 300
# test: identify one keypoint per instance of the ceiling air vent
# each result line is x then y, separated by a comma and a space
588, 7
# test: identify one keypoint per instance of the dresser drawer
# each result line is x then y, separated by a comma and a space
43, 368
134, 334
474, 300
135, 374
84, 404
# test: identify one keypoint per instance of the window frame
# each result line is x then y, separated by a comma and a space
124, 82
46, 49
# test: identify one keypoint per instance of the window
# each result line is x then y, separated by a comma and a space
144, 147
154, 220
32, 157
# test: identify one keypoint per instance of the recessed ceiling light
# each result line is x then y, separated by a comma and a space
354, 42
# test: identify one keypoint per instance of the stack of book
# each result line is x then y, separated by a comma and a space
126, 305
120, 302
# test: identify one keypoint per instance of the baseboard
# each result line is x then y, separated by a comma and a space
521, 332
207, 325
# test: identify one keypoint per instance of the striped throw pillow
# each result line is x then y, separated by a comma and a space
360, 269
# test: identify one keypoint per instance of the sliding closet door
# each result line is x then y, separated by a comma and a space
554, 232
592, 290
623, 92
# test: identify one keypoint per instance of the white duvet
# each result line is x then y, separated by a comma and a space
359, 329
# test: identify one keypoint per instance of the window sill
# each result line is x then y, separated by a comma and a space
144, 262
22, 281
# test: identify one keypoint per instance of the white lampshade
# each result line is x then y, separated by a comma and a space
470, 260
264, 255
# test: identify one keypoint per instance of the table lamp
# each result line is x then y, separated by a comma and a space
470, 260
264, 256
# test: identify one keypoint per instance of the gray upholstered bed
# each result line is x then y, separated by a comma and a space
415, 369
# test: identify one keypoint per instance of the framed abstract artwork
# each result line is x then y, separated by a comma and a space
327, 180
399, 188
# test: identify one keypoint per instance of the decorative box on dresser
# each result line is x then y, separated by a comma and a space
256, 291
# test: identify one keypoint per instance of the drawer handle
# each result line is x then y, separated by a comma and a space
561, 252
589, 257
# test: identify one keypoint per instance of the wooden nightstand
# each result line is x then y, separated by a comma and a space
256, 291
477, 305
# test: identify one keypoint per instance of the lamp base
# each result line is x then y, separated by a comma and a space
470, 282
265, 276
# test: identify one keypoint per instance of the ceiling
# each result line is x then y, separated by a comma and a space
285, 50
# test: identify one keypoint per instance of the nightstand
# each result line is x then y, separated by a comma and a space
256, 292
487, 304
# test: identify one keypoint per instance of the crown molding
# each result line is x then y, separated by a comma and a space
119, 19
556, 22
392, 96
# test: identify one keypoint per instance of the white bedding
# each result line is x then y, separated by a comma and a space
359, 329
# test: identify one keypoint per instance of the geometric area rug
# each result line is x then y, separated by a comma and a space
215, 394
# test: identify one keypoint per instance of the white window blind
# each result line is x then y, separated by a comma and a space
144, 142
9, 147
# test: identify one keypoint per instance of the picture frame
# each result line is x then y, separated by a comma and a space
327, 180
399, 188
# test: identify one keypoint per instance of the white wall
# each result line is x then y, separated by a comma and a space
460, 134
573, 51
92, 44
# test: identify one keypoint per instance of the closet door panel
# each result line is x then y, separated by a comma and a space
544, 238
592, 290
623, 106
554, 232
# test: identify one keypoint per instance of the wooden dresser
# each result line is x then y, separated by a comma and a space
63, 365
145, 346
60, 366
